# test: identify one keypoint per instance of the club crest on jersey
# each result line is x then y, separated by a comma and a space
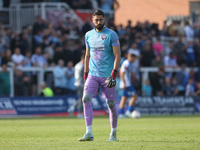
103, 37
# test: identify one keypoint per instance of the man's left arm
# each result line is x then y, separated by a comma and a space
117, 53
111, 81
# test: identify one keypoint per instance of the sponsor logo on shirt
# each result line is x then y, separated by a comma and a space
97, 47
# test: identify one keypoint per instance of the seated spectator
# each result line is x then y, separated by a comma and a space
27, 59
38, 38
189, 90
60, 80
37, 59
147, 89
46, 91
197, 91
181, 77
59, 54
191, 74
174, 86
157, 62
50, 49
24, 43
158, 47
190, 54
70, 78
167, 87
7, 57
168, 49
7, 38
15, 41
18, 58
170, 61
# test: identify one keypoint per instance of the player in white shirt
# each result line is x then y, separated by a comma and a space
127, 75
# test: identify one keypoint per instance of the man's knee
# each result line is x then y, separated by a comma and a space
134, 97
87, 97
110, 103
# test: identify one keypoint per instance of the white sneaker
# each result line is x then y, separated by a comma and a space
113, 137
128, 114
80, 116
87, 137
121, 116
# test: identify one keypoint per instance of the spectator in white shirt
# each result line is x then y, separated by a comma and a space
17, 58
189, 32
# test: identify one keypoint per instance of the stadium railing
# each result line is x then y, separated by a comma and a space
23, 14
41, 71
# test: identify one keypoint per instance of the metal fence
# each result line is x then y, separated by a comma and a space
41, 71
23, 14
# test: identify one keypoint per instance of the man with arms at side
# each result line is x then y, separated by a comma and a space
102, 61
127, 76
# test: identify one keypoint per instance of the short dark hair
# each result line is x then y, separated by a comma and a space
98, 13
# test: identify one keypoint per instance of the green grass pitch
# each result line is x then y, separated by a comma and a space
151, 133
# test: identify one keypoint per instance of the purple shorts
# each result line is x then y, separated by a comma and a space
92, 85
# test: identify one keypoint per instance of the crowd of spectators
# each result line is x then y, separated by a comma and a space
44, 45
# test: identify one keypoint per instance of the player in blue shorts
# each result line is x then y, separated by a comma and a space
102, 61
127, 76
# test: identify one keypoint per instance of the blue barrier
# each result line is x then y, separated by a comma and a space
58, 106
38, 106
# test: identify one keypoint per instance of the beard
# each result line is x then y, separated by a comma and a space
100, 26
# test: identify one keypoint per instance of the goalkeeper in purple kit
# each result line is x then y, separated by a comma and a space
102, 61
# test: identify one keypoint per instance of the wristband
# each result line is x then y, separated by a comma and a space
85, 75
114, 73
